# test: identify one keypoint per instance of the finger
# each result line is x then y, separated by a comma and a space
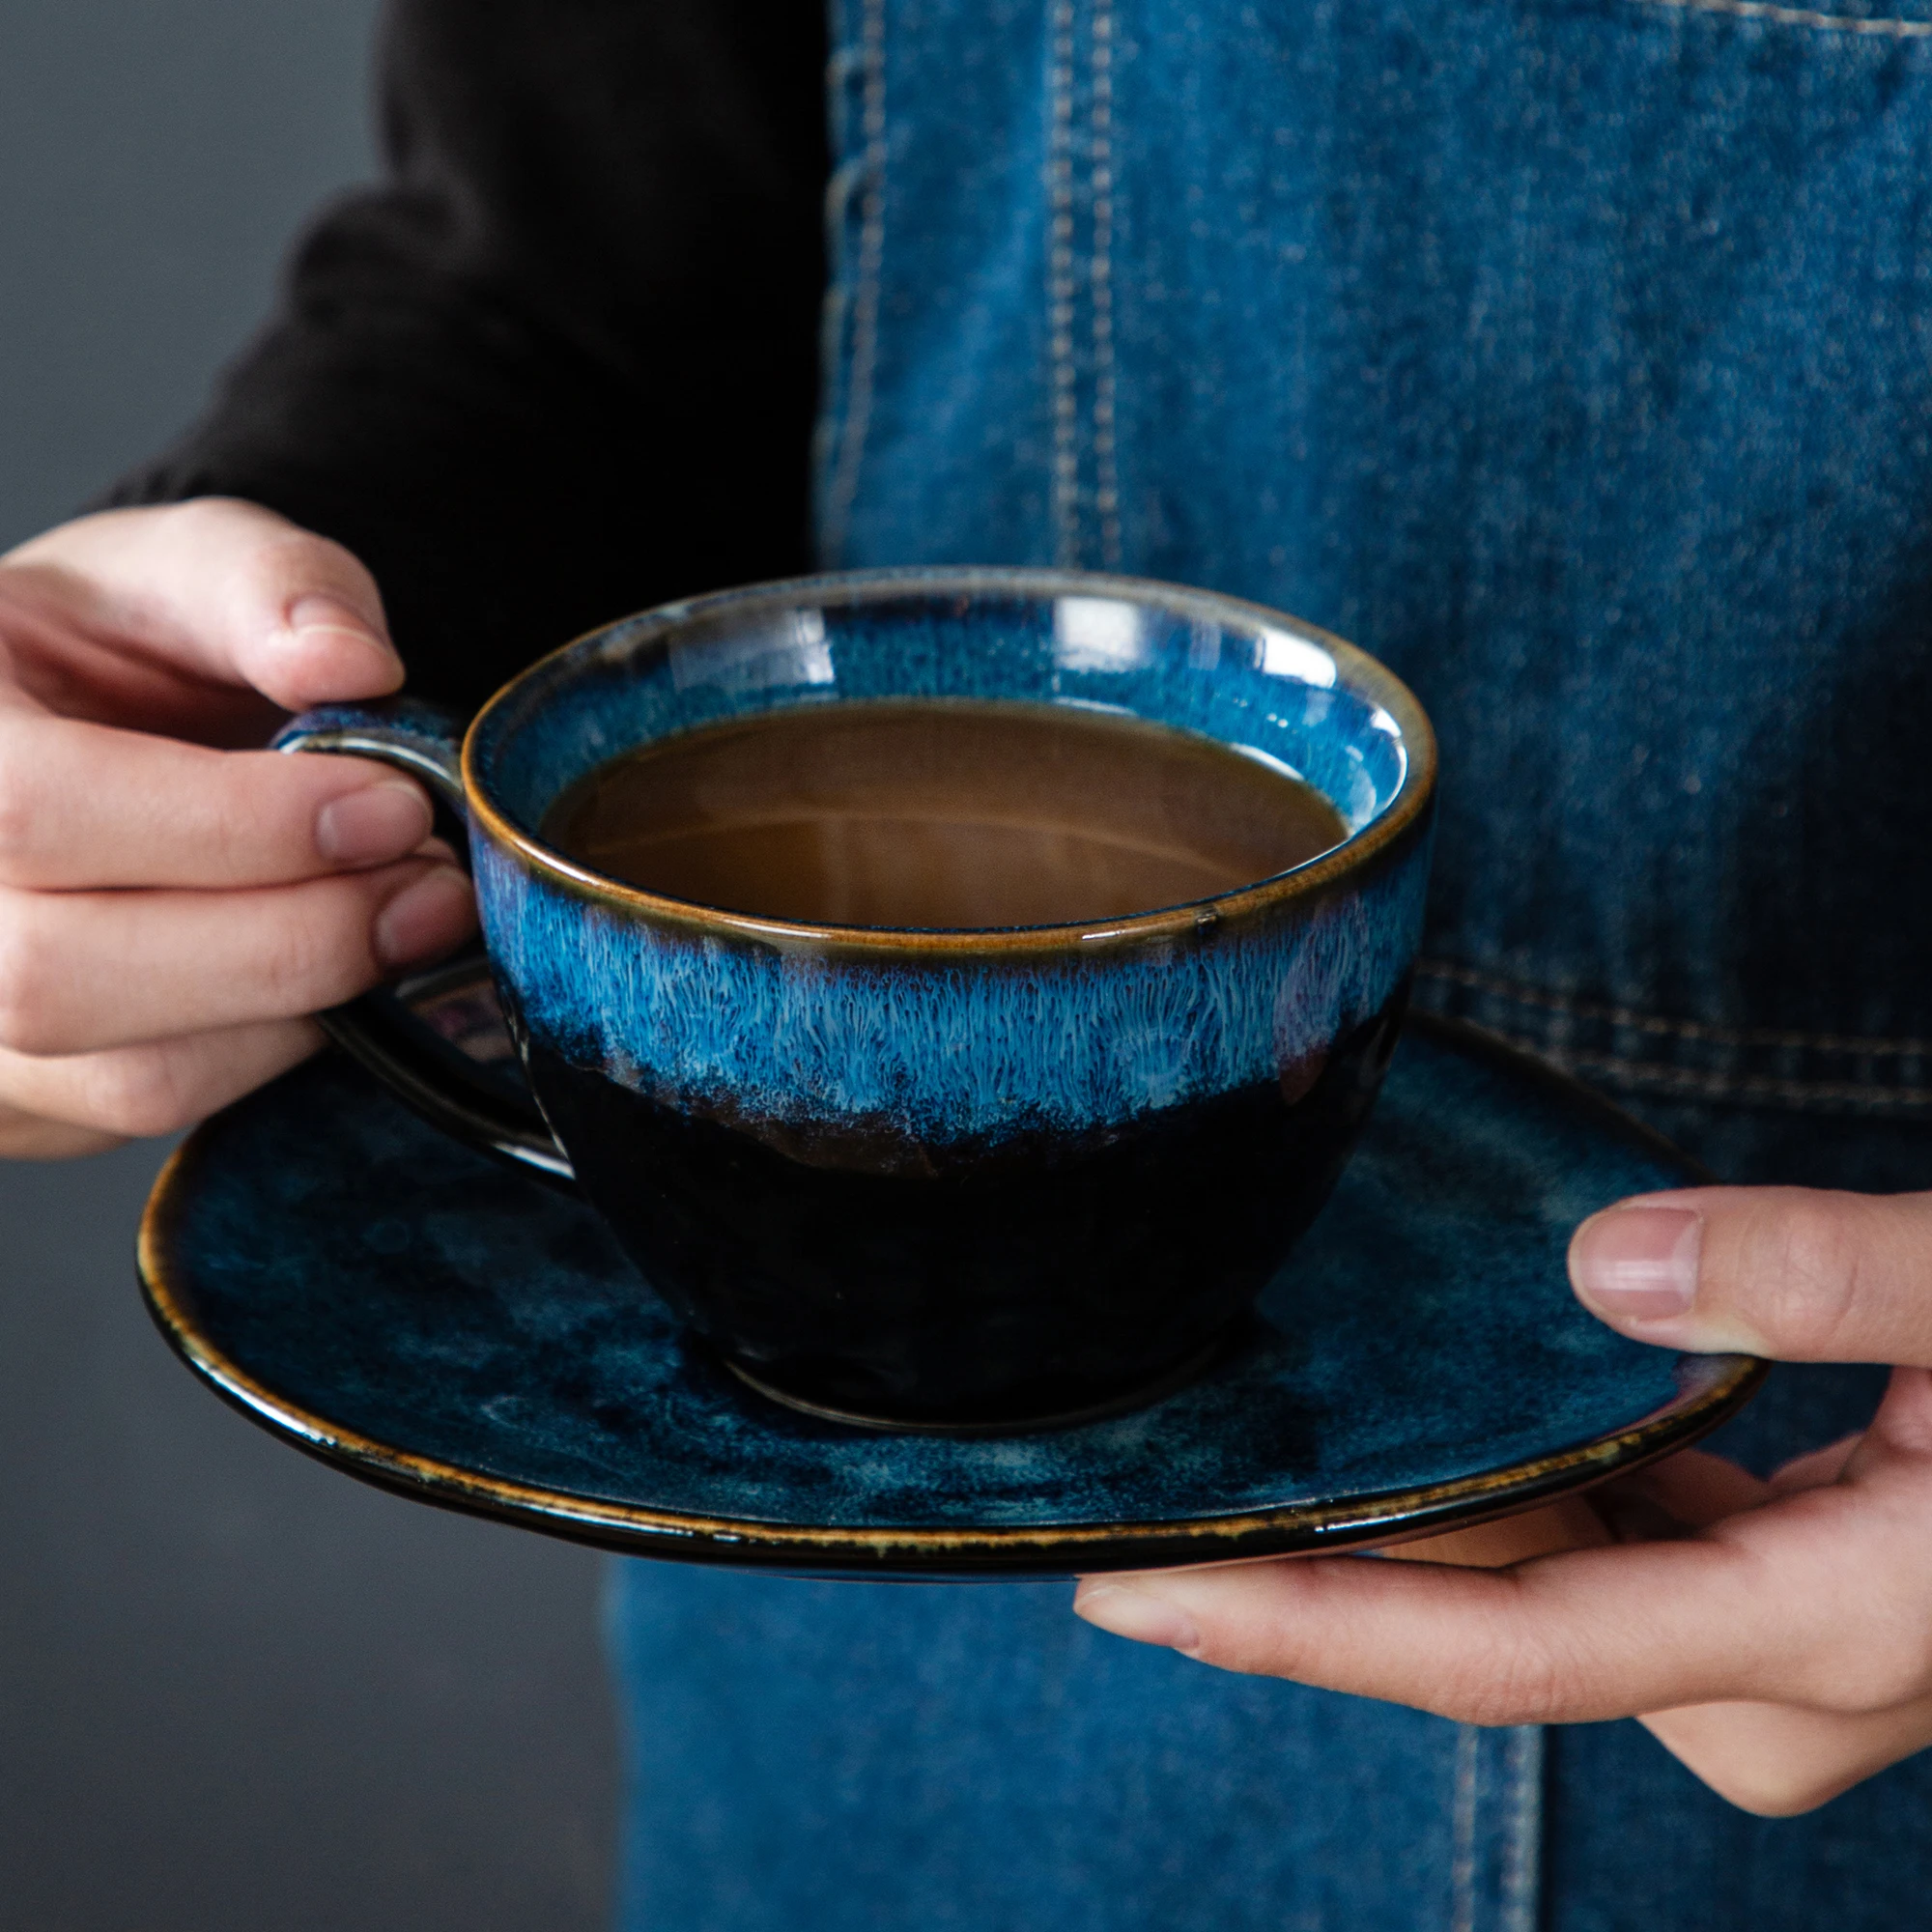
1800, 1274
1760, 1608
1551, 1642
1816, 1467
1686, 1492
81, 972
1778, 1761
52, 1108
218, 589
1814, 1600
1899, 1438
28, 1137
1694, 1488
85, 805
1570, 1524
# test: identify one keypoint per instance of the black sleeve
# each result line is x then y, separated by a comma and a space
561, 363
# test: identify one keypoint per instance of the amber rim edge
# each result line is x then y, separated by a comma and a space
1353, 859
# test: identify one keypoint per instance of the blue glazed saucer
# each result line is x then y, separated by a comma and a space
430, 1320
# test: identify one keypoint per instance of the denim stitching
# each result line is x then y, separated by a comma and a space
1741, 1086
1522, 1863
1060, 287
1462, 1860
1651, 1023
844, 485
1801, 16
1686, 1083
1106, 479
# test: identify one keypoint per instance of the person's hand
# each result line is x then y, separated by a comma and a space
1776, 1636
170, 909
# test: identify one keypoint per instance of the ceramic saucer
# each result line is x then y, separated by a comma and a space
434, 1322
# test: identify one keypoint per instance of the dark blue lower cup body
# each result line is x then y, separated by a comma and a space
1042, 1275
977, 1179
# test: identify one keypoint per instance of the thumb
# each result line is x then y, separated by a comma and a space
1795, 1274
222, 591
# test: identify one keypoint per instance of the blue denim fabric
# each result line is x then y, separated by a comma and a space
1572, 356
971, 1756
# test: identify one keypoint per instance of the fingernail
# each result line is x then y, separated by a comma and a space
424, 919
1637, 1263
318, 612
378, 823
1134, 1613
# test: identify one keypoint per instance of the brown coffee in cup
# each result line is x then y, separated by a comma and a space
941, 814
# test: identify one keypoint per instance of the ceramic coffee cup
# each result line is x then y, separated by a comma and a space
955, 1179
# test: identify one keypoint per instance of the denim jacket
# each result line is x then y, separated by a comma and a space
1574, 356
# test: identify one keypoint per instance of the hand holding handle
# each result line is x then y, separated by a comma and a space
440, 1081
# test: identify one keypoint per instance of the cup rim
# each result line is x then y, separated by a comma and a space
1366, 676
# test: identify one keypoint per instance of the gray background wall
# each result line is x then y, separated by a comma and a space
236, 1690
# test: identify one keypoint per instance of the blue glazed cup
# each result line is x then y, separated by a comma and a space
949, 1180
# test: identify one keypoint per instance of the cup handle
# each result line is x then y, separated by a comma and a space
437, 1078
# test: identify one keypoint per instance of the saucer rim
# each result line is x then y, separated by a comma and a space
1712, 1389
1376, 1518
